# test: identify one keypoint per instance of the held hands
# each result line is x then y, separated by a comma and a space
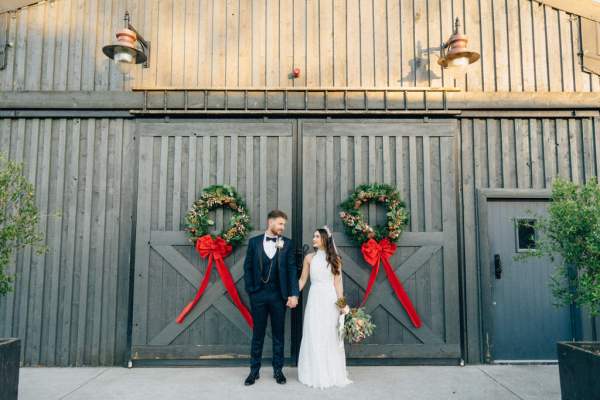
292, 302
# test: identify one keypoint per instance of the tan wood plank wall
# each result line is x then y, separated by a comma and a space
524, 46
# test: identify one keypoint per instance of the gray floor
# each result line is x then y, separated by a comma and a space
470, 382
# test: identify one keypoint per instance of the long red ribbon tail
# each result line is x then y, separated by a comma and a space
372, 278
401, 293
192, 304
230, 286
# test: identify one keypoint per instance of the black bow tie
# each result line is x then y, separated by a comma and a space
271, 238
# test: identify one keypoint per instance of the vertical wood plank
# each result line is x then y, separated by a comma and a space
191, 38
326, 49
537, 159
553, 57
232, 20
26, 271
286, 42
191, 184
300, 41
414, 199
502, 61
339, 50
245, 43
562, 148
177, 171
589, 152
99, 243
575, 147
205, 37
407, 38
312, 60
263, 159
367, 49
380, 47
250, 181
259, 52
427, 181
55, 243
514, 43
550, 162
36, 303
488, 55
142, 249
522, 147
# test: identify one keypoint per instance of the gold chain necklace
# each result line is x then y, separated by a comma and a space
270, 265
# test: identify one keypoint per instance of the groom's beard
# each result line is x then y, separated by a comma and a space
275, 233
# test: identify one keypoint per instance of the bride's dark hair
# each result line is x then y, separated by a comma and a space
332, 257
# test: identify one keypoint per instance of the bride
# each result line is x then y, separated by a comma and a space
322, 359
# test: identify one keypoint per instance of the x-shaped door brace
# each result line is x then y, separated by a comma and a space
388, 301
214, 295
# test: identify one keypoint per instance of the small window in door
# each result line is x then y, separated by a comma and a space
525, 234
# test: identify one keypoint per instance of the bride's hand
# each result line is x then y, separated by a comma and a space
345, 310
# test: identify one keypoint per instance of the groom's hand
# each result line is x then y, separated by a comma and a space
292, 301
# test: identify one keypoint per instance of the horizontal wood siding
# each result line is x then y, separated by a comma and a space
524, 46
515, 153
70, 305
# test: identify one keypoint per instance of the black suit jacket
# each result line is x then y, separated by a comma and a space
288, 273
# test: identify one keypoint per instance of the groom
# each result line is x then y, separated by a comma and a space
271, 281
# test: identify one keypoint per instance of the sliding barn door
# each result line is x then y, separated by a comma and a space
417, 158
176, 161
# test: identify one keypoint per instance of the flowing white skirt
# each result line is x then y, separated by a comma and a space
322, 361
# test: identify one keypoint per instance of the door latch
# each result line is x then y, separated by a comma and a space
497, 266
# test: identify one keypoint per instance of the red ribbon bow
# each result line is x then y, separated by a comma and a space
374, 253
216, 250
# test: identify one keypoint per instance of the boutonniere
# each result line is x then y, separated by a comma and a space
279, 243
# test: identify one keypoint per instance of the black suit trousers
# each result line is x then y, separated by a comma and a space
265, 303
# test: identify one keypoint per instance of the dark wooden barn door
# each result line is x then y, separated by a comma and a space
417, 158
176, 161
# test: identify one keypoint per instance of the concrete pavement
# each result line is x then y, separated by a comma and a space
406, 382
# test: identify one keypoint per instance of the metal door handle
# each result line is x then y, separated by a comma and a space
497, 266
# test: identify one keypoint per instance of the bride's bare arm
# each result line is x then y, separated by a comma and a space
337, 283
305, 271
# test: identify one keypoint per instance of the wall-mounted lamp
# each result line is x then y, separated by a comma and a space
125, 53
454, 53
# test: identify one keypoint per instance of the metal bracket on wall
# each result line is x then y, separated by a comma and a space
4, 44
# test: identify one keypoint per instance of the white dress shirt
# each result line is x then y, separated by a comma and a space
269, 245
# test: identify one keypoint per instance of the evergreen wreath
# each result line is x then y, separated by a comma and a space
356, 226
198, 222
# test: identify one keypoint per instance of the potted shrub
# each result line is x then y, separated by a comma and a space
18, 228
571, 231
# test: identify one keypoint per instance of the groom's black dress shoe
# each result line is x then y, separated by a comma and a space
279, 377
253, 376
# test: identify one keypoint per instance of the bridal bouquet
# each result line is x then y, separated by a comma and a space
354, 325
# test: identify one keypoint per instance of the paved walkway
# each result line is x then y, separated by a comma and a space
411, 382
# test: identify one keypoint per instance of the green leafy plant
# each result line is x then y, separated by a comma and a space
18, 218
571, 230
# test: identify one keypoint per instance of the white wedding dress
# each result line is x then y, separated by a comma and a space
322, 361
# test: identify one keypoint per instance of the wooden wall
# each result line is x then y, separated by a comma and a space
70, 305
524, 46
515, 153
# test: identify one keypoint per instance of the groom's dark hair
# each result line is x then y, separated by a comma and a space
277, 214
